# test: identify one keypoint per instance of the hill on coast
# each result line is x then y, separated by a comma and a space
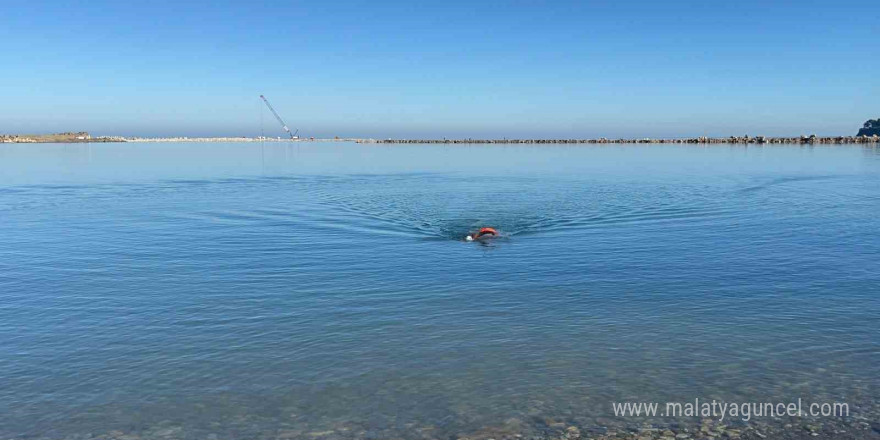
871, 128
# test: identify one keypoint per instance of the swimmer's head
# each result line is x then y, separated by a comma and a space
469, 238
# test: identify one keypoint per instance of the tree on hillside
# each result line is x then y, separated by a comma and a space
871, 127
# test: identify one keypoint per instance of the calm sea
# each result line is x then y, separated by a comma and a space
323, 290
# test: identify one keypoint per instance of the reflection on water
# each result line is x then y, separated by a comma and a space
240, 290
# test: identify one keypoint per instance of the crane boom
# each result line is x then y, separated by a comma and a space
283, 125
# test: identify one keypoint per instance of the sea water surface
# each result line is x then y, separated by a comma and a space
323, 290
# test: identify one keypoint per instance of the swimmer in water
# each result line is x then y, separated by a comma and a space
482, 234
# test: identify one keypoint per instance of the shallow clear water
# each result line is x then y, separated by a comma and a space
244, 290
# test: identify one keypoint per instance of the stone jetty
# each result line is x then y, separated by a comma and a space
813, 139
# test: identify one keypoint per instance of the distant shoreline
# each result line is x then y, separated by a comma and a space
813, 139
698, 140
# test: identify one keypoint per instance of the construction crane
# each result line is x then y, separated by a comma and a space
283, 125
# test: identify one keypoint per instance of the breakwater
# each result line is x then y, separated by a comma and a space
697, 140
85, 138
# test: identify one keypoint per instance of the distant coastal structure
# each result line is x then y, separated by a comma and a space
812, 139
871, 128
870, 134
69, 137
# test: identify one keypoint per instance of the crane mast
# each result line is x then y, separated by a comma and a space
283, 125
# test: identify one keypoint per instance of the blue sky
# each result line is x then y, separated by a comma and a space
440, 69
